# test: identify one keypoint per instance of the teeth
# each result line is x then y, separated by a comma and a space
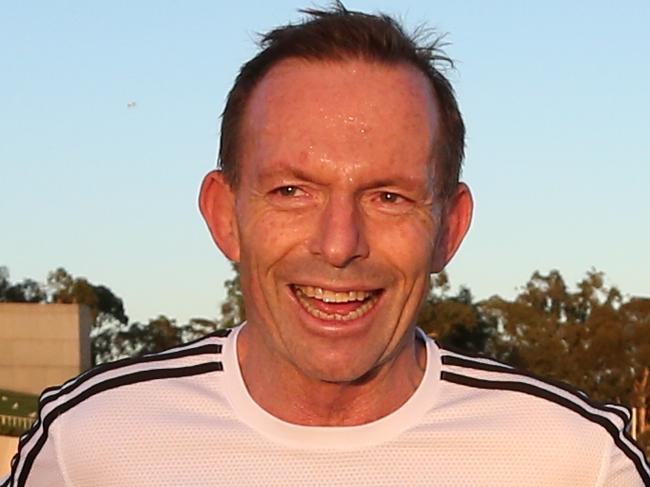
332, 296
360, 311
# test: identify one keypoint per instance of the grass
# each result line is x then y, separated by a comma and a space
17, 403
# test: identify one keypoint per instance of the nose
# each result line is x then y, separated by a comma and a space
340, 235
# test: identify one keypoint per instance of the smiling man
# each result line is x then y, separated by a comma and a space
337, 170
338, 195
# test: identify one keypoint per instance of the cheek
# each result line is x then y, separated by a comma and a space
407, 244
269, 235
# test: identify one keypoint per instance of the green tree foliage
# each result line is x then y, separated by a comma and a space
455, 320
199, 327
591, 337
137, 339
232, 309
27, 291
107, 309
103, 303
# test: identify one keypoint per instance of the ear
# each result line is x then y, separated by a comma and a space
217, 203
454, 224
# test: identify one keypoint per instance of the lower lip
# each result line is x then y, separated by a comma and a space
335, 327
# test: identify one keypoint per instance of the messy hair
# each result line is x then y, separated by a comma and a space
339, 34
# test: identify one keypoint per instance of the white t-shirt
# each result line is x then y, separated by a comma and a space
184, 418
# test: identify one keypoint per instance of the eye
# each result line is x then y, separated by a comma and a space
287, 191
390, 202
390, 197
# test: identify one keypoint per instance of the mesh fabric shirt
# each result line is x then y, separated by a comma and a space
184, 418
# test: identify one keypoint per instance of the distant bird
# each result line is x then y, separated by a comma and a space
130, 104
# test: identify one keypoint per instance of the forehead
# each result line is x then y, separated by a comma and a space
349, 109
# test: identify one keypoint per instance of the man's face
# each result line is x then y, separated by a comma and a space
336, 218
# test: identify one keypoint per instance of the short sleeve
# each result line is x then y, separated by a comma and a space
625, 466
36, 463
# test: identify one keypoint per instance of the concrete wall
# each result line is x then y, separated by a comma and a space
8, 448
42, 344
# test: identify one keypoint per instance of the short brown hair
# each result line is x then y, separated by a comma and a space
341, 34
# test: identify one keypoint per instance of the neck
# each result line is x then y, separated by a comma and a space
290, 395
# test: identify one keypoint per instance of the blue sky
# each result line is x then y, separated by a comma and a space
554, 95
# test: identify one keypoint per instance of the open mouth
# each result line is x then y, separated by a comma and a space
335, 305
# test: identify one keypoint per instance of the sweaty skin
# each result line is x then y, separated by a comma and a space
336, 228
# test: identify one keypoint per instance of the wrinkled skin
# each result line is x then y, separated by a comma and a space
337, 192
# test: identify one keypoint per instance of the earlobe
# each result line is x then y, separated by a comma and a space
456, 220
217, 204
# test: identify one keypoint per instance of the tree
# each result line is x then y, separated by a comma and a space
137, 339
455, 321
157, 335
27, 291
106, 308
232, 309
100, 299
636, 313
4, 282
589, 337
199, 327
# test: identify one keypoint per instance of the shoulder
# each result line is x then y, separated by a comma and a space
190, 359
544, 410
483, 373
117, 397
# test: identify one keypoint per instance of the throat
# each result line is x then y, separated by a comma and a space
301, 400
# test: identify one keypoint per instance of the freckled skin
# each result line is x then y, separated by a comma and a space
342, 136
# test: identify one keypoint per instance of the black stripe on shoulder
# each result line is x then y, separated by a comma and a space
220, 333
113, 383
494, 367
213, 348
71, 385
532, 390
464, 353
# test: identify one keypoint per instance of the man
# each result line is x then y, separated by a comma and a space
338, 195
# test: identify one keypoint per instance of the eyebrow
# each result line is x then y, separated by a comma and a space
284, 169
391, 181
